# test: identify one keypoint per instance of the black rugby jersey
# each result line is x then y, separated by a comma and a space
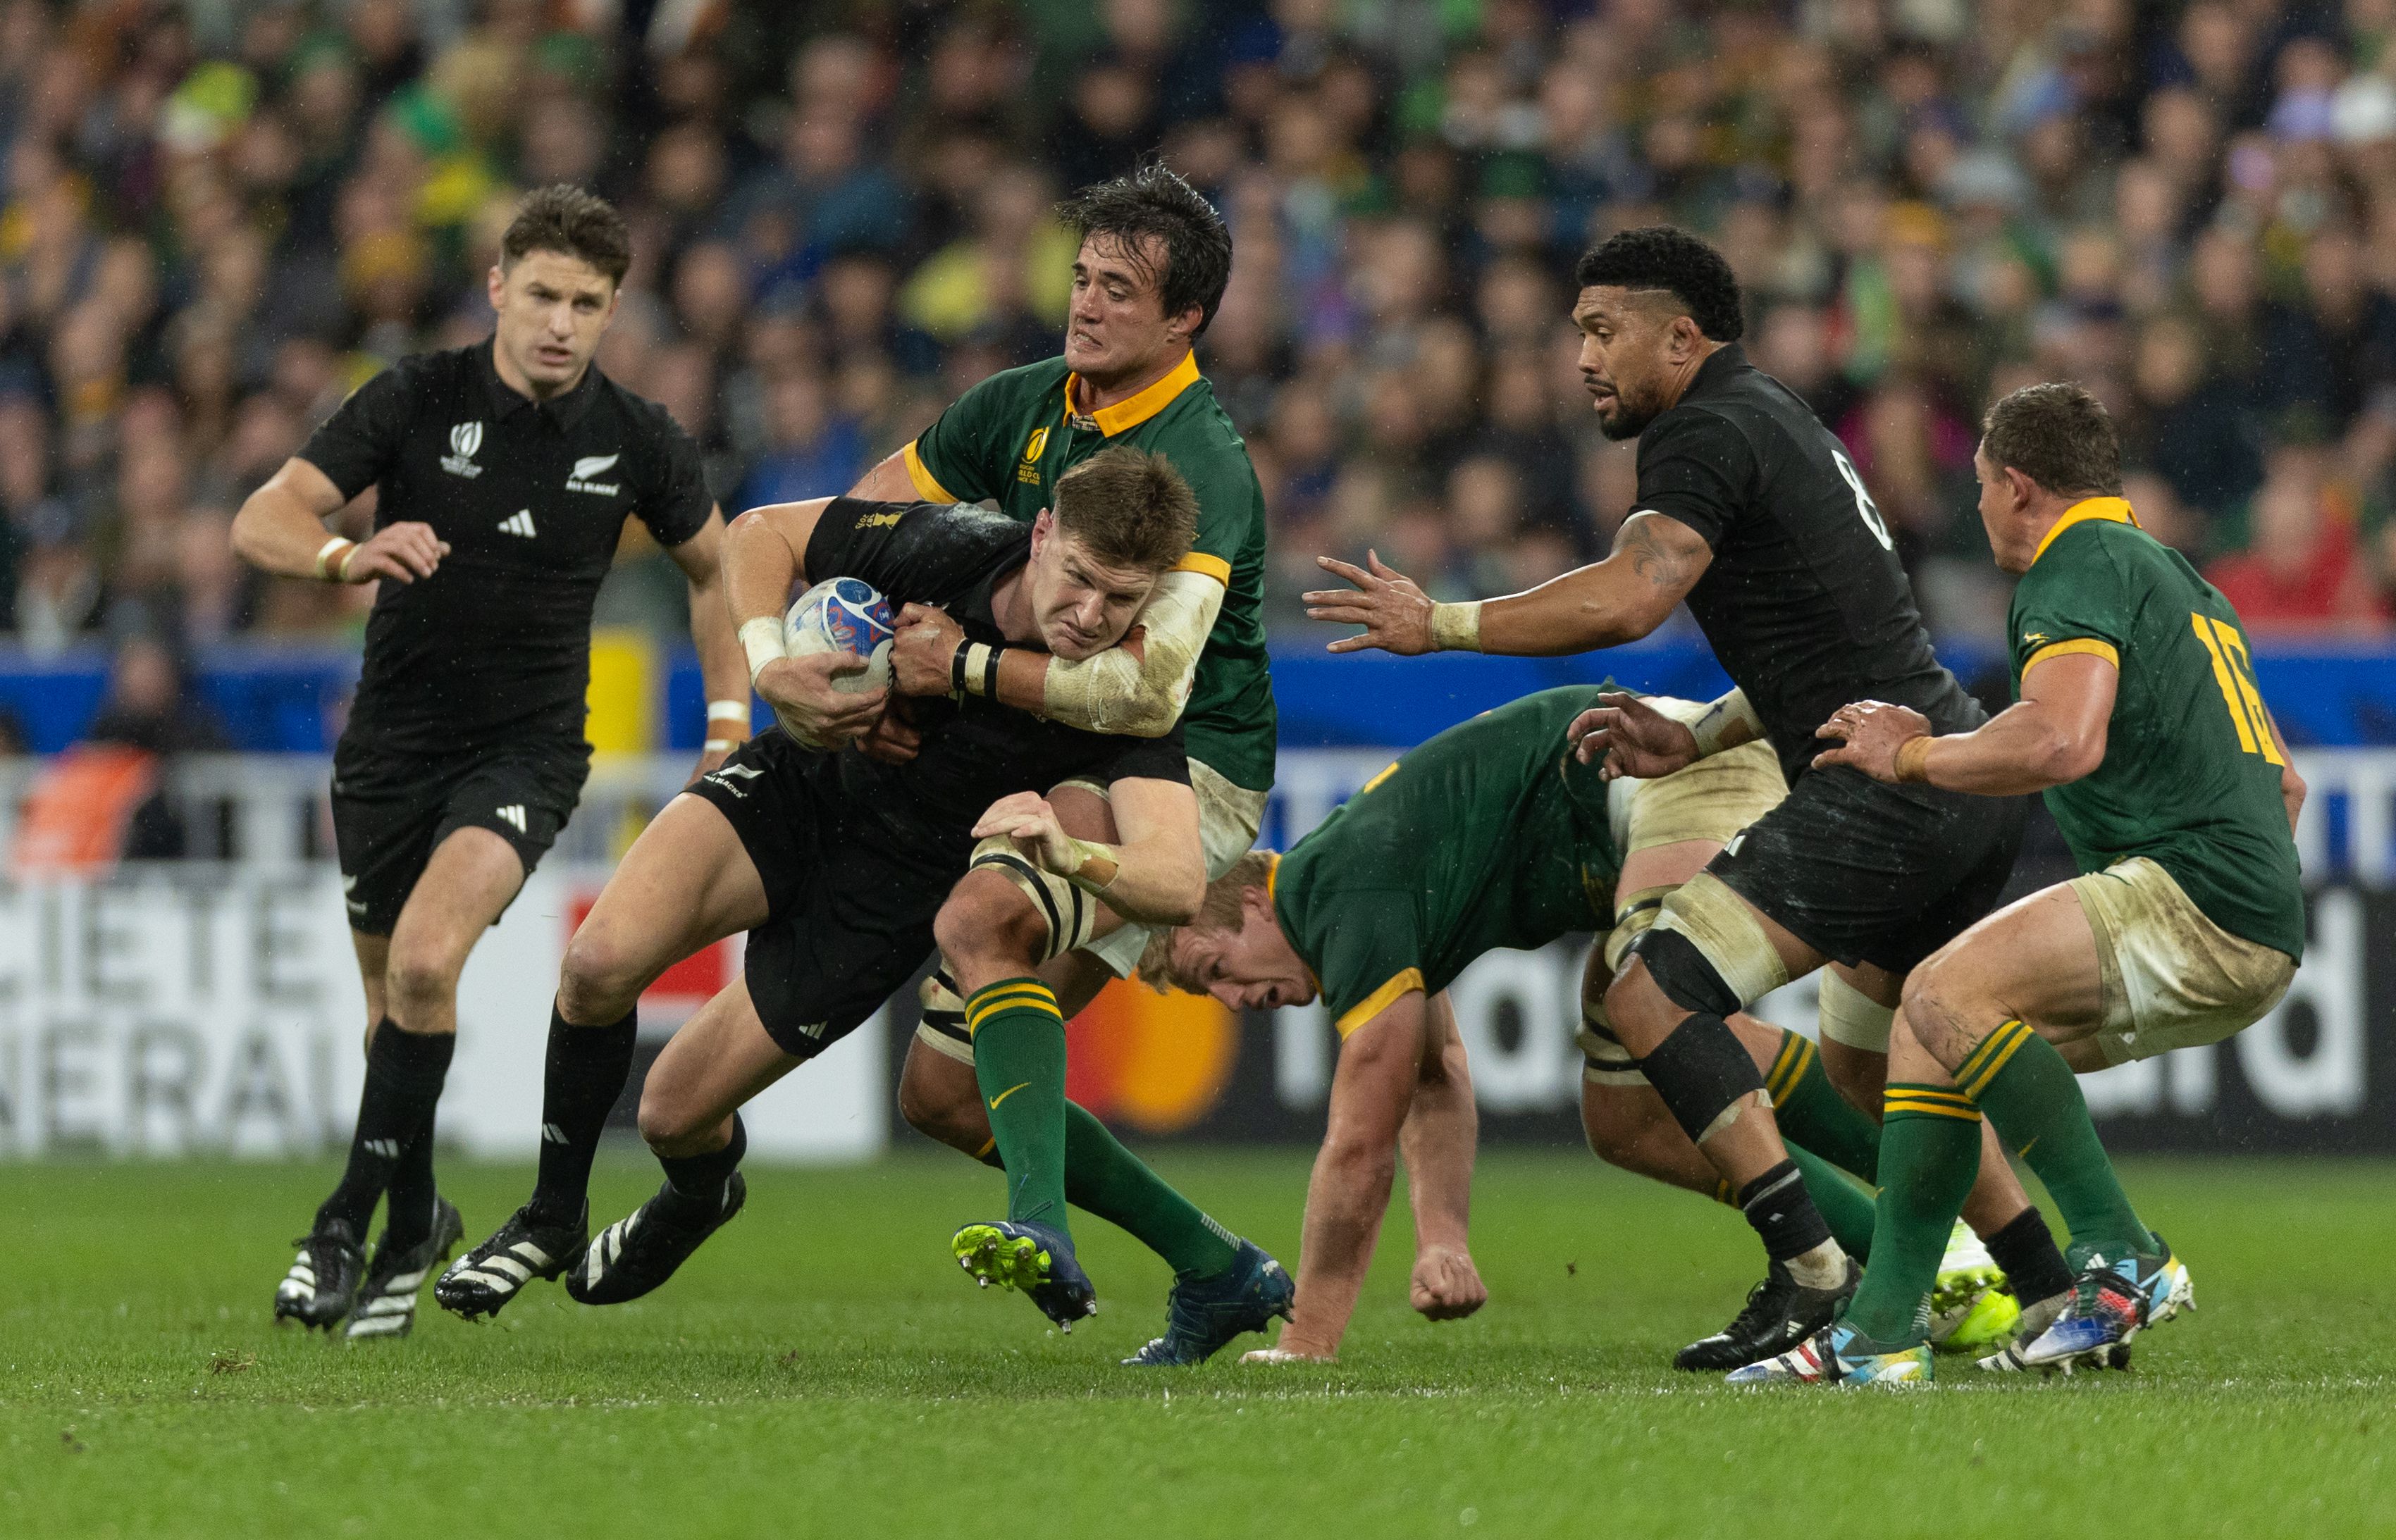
532, 500
977, 751
1805, 605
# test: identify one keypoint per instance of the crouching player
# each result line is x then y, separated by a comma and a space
834, 864
1492, 834
2137, 713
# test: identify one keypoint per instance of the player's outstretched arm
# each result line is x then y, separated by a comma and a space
1640, 741
1655, 562
763, 554
1155, 875
712, 632
1371, 1093
2055, 734
1437, 1143
281, 529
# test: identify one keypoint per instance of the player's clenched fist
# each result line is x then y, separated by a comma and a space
923, 658
1391, 607
811, 705
1446, 1286
1875, 731
404, 550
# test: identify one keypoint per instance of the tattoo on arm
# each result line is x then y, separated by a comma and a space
1660, 550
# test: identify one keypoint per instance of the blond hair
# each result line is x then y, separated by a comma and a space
1222, 911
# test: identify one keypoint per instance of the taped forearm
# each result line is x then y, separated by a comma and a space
1141, 693
1727, 722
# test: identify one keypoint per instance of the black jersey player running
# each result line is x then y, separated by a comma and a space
504, 473
1749, 512
837, 864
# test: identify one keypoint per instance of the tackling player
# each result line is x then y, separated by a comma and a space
1150, 272
834, 863
2136, 714
505, 472
1492, 834
1750, 513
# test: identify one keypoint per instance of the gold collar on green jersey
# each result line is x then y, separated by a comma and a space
1131, 411
2106, 510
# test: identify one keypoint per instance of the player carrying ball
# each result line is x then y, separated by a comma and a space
2136, 714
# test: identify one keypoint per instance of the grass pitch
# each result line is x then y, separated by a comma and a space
821, 1368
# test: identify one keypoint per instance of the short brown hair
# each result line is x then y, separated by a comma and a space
2059, 435
572, 222
1223, 911
1130, 508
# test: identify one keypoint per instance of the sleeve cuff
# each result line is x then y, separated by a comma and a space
2089, 646
1410, 981
1198, 561
928, 486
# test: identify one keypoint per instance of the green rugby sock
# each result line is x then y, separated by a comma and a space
1810, 1111
1104, 1178
1846, 1208
1018, 1038
1930, 1155
2033, 1100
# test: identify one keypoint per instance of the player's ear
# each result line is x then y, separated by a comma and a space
498, 282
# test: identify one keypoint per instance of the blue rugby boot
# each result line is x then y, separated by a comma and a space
1035, 1258
1841, 1355
1201, 1315
2111, 1302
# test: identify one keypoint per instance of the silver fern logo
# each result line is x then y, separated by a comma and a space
464, 441
579, 479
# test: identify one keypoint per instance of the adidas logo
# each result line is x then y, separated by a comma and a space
579, 479
513, 813
519, 522
551, 1134
383, 1149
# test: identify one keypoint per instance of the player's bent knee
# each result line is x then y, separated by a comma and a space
987, 920
415, 979
599, 980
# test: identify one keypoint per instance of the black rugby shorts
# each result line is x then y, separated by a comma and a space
391, 810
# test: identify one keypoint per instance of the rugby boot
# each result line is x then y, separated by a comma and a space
322, 1286
1841, 1355
386, 1304
482, 1281
2111, 1302
1036, 1258
642, 1250
1201, 1315
1780, 1313
1970, 1309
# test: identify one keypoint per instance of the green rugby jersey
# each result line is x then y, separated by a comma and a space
1489, 835
1011, 437
2192, 771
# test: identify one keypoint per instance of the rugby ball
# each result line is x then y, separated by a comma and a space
840, 615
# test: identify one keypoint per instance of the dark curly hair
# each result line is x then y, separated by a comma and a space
1658, 257
1155, 201
569, 220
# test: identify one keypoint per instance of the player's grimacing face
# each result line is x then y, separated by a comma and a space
1623, 359
552, 310
1250, 969
1115, 326
1081, 605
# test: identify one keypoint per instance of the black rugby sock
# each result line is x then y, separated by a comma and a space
580, 1080
696, 1182
404, 1072
1783, 1215
2026, 1250
407, 1206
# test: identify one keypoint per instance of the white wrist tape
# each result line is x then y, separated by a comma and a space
762, 640
1456, 628
728, 710
1720, 716
338, 547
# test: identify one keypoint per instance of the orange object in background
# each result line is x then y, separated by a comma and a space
1153, 1063
76, 815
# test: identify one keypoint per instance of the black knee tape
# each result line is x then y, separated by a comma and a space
1682, 973
1700, 1069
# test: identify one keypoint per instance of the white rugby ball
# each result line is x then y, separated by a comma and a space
840, 615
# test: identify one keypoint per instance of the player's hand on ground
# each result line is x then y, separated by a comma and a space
1027, 819
923, 658
894, 739
1634, 739
405, 551
801, 691
1393, 610
1445, 1285
1874, 730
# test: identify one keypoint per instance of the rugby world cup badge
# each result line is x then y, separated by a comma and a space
464, 441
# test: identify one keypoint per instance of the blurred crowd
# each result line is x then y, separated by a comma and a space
221, 216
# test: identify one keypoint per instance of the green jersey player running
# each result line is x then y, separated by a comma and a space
2136, 714
1492, 834
1149, 276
